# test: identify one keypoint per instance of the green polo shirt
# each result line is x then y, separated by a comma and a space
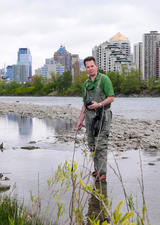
105, 86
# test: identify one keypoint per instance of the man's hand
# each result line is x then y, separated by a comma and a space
79, 125
81, 118
105, 102
94, 105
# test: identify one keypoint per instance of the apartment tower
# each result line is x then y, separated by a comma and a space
112, 55
75, 66
138, 56
151, 44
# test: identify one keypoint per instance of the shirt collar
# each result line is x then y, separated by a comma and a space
97, 77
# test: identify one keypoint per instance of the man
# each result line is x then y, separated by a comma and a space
98, 95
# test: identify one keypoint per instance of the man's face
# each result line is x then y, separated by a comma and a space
91, 68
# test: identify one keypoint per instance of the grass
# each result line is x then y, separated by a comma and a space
12, 213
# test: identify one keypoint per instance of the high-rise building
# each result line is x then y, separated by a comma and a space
113, 55
123, 42
25, 58
99, 52
38, 72
50, 67
82, 67
44, 70
20, 72
53, 67
138, 56
61, 62
151, 43
2, 73
60, 69
63, 57
75, 66
9, 72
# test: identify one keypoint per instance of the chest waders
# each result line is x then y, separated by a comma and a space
98, 144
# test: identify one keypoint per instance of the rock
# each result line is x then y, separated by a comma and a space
152, 145
30, 147
65, 140
124, 157
32, 142
132, 136
151, 164
77, 141
1, 145
146, 122
4, 187
118, 144
146, 134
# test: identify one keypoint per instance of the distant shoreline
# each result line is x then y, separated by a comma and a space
145, 94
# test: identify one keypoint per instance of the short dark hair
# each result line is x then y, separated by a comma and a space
89, 58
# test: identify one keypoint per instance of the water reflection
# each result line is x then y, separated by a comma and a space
25, 123
61, 126
17, 130
151, 153
95, 206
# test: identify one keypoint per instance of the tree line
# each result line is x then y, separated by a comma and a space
128, 82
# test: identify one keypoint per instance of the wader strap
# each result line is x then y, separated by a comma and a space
86, 88
98, 92
99, 82
98, 86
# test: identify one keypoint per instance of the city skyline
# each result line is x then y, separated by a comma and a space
131, 44
110, 56
42, 26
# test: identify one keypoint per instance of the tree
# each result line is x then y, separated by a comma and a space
116, 80
54, 80
83, 76
64, 82
78, 83
37, 82
130, 81
101, 71
151, 83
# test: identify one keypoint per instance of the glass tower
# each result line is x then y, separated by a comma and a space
25, 58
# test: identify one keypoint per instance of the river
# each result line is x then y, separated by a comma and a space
28, 168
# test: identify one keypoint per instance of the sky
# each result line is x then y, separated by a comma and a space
79, 25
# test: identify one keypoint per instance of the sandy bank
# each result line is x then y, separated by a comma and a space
125, 133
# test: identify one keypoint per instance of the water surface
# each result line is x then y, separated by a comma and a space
29, 168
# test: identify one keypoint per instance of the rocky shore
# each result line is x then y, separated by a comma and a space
126, 134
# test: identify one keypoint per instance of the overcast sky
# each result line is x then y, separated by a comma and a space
43, 25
